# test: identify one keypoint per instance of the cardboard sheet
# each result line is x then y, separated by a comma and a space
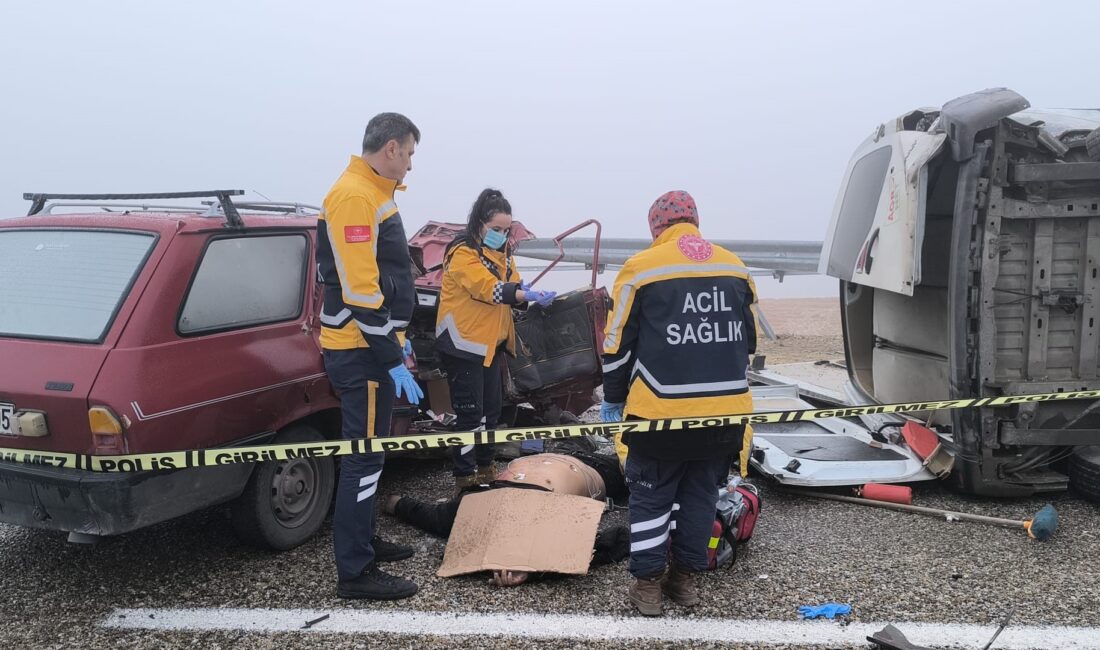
524, 530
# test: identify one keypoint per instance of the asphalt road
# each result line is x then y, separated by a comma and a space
889, 566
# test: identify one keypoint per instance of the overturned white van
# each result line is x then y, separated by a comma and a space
967, 244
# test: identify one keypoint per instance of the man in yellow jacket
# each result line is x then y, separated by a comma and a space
677, 344
363, 261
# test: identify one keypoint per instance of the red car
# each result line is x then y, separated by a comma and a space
135, 328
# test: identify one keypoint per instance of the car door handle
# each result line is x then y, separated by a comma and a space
864, 261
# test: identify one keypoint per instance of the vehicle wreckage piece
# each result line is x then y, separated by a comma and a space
928, 446
557, 367
891, 638
828, 452
978, 280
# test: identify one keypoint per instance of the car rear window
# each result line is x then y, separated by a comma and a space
66, 285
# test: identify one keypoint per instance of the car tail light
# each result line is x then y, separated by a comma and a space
107, 431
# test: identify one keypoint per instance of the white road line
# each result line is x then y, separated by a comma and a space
583, 627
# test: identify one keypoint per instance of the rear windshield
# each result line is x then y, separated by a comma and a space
66, 284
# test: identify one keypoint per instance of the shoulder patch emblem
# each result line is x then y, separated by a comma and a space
695, 248
356, 234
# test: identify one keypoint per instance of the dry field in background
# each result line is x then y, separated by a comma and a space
808, 330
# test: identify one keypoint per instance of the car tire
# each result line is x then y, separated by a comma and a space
285, 502
1084, 472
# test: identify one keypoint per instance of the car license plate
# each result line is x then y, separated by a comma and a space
7, 419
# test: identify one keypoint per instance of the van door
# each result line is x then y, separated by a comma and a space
877, 226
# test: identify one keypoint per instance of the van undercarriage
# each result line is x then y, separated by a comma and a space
1005, 297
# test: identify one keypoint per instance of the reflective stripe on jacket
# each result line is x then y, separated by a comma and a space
363, 261
475, 303
681, 330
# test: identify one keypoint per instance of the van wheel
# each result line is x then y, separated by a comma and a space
1084, 472
285, 502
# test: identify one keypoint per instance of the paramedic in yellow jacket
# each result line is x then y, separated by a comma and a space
474, 326
363, 263
678, 341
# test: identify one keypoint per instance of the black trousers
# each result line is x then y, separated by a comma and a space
477, 394
366, 404
671, 499
434, 518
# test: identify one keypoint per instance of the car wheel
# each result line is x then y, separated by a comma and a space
1084, 471
285, 502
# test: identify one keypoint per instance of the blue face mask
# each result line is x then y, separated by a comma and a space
494, 239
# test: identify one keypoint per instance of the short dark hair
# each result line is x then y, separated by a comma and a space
388, 126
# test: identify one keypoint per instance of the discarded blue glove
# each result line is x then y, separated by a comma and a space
404, 381
408, 348
611, 412
828, 610
543, 298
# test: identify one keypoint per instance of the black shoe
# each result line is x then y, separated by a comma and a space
388, 551
376, 584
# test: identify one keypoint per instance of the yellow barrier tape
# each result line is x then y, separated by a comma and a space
276, 452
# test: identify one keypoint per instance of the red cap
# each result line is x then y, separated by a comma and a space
672, 207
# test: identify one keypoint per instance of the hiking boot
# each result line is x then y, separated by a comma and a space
487, 474
388, 551
680, 586
375, 584
464, 483
389, 504
645, 593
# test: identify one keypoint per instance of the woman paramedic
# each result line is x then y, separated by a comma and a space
474, 326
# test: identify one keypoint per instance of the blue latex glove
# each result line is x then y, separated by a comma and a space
543, 298
828, 610
610, 412
404, 381
524, 286
408, 348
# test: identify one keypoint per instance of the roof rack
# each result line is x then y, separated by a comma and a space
108, 207
232, 217
298, 209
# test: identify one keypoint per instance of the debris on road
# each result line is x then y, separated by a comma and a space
315, 621
1040, 527
828, 610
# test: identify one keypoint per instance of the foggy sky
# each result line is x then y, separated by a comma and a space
574, 109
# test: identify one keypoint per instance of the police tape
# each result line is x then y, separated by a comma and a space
173, 460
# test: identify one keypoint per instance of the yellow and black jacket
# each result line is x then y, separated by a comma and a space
475, 302
678, 339
363, 261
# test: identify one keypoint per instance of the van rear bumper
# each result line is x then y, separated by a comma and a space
95, 503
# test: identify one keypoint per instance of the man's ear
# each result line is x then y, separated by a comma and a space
392, 149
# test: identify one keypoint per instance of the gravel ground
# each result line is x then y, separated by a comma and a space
889, 566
